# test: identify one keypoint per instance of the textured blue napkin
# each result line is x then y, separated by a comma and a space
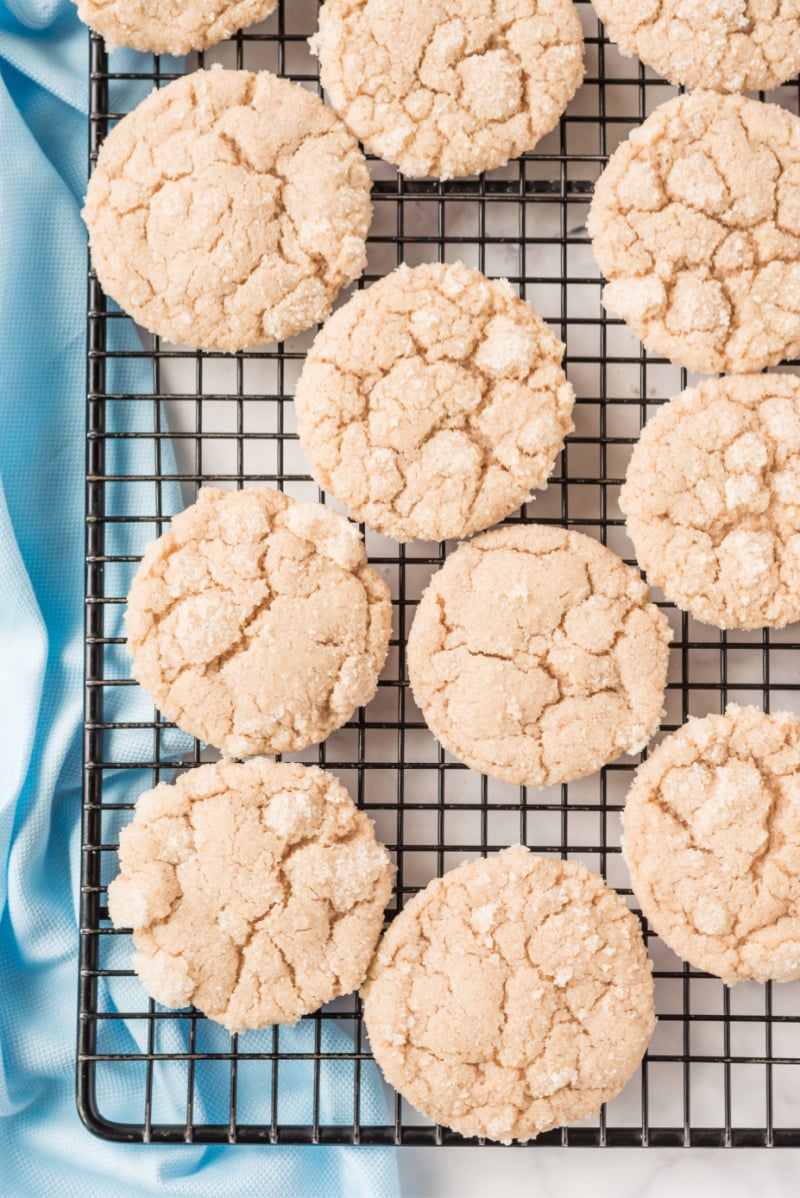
44, 1150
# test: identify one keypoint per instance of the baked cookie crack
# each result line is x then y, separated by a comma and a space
498, 987
712, 498
710, 839
694, 224
733, 45
228, 209
255, 891
568, 673
452, 87
245, 585
433, 403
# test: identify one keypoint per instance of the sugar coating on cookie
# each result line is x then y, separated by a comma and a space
712, 498
228, 209
255, 622
536, 656
511, 996
446, 88
433, 403
695, 223
712, 842
171, 26
727, 45
254, 891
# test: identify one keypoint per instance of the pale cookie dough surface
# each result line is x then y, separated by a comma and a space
712, 842
712, 498
228, 209
536, 656
256, 623
171, 26
432, 403
511, 996
449, 87
727, 45
695, 223
255, 892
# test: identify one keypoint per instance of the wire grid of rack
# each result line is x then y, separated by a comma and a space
720, 1067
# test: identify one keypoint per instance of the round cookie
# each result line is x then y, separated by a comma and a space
727, 45
431, 404
536, 656
511, 996
446, 88
712, 498
255, 892
695, 223
171, 26
712, 842
228, 209
256, 624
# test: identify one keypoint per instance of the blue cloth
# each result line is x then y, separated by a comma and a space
44, 1149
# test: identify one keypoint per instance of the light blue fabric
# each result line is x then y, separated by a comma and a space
44, 1150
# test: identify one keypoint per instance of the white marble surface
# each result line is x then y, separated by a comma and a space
591, 1173
612, 1173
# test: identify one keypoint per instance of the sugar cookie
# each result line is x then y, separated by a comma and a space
255, 892
228, 209
727, 45
433, 403
536, 656
511, 996
449, 87
171, 26
695, 223
712, 842
712, 497
256, 624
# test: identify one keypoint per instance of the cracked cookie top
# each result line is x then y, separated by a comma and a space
446, 88
536, 656
256, 623
695, 223
171, 26
727, 45
255, 892
712, 842
432, 403
228, 209
712, 498
511, 996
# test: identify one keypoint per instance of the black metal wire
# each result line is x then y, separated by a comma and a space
700, 1081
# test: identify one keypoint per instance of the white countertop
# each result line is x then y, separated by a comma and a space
507, 1172
599, 1173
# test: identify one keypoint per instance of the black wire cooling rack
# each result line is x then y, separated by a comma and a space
721, 1069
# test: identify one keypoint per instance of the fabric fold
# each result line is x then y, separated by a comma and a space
43, 1147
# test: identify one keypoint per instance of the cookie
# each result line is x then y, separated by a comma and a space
228, 210
712, 497
170, 26
695, 223
255, 892
255, 622
446, 88
536, 656
727, 45
433, 403
712, 842
511, 996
